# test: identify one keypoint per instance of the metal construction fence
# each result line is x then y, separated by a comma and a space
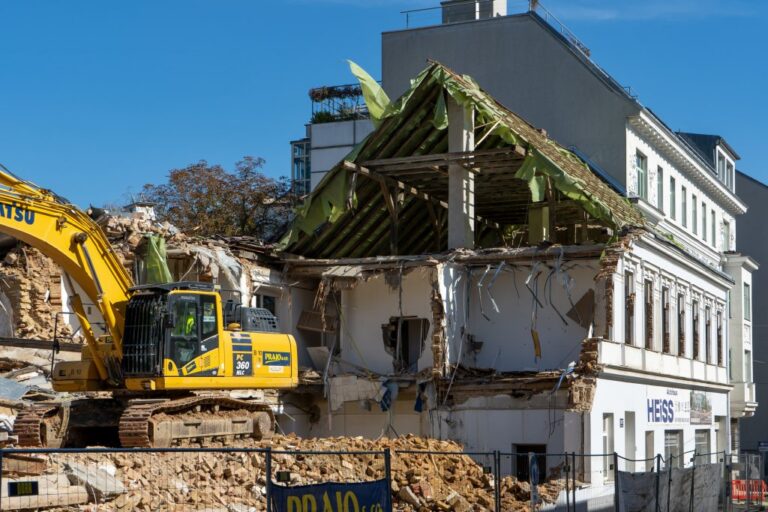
264, 479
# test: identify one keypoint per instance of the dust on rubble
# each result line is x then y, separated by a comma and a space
234, 481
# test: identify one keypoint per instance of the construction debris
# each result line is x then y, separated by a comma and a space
421, 477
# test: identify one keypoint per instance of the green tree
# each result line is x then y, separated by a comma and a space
208, 200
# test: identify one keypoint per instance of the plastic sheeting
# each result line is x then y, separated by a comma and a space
672, 490
156, 262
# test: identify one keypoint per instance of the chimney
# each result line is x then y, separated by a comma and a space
469, 10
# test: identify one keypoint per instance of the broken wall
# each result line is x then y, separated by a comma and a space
374, 302
491, 313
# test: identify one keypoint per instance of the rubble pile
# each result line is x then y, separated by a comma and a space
31, 283
235, 481
126, 234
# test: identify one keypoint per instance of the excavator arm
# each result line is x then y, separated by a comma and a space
73, 241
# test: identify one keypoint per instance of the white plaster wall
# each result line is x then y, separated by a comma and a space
482, 426
506, 334
707, 248
617, 397
370, 304
353, 419
331, 142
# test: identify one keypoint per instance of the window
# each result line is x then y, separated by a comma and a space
681, 324
673, 448
629, 306
726, 242
747, 303
666, 348
208, 320
695, 319
648, 294
748, 365
660, 188
267, 302
721, 168
184, 339
608, 446
704, 221
719, 338
702, 446
714, 230
729, 175
641, 167
300, 167
672, 199
522, 466
404, 338
684, 207
708, 334
694, 215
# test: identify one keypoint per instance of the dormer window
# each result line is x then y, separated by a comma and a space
725, 168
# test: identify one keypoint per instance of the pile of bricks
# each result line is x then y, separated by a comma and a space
236, 481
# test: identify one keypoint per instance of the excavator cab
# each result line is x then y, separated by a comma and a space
181, 336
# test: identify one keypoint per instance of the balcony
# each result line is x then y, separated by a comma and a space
337, 103
623, 356
743, 399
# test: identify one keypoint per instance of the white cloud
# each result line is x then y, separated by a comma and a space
644, 10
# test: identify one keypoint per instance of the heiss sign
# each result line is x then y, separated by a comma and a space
670, 408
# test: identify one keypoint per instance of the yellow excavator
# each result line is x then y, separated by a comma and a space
162, 372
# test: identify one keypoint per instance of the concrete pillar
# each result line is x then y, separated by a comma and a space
461, 182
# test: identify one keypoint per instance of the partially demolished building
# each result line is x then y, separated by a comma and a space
501, 292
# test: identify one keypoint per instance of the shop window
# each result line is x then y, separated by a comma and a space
702, 446
404, 338
673, 448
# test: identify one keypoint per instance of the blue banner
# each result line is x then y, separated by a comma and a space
332, 497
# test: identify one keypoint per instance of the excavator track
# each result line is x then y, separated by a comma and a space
30, 429
164, 423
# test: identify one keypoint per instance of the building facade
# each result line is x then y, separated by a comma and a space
684, 183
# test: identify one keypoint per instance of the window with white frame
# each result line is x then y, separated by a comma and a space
641, 167
660, 188
704, 221
729, 175
694, 215
747, 302
672, 198
684, 206
726, 241
713, 240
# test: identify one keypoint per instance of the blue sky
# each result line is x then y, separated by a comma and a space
98, 98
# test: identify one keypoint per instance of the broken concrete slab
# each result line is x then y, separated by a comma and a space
98, 481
